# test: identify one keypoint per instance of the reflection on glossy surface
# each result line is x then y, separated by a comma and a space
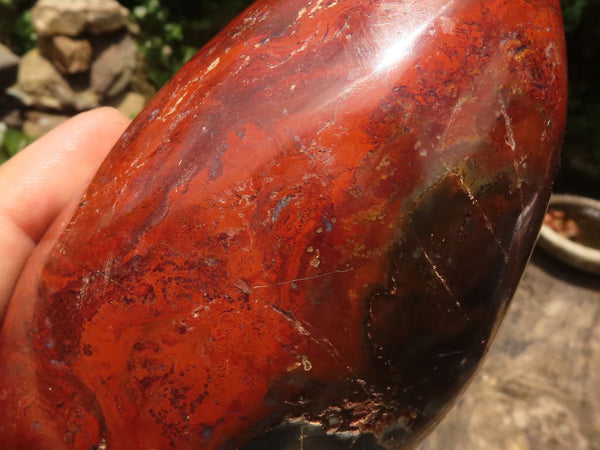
309, 235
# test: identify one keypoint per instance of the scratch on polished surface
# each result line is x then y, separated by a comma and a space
463, 184
318, 338
441, 277
488, 223
510, 141
296, 280
289, 316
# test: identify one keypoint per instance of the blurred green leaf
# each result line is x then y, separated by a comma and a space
16, 28
583, 48
11, 142
172, 31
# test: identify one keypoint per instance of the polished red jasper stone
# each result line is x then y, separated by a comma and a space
307, 238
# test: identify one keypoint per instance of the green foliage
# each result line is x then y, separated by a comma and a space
11, 142
161, 40
572, 12
16, 30
172, 31
582, 140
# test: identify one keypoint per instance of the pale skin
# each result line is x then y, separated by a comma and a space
42, 179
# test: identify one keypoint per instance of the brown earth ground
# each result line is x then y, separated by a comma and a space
540, 385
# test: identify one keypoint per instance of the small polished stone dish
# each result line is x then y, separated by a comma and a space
573, 234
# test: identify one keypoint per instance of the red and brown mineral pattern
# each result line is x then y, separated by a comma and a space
307, 238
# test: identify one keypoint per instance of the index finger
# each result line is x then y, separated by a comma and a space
36, 184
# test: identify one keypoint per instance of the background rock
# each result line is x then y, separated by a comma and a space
113, 68
67, 54
129, 103
85, 57
39, 123
540, 385
139, 79
74, 17
40, 84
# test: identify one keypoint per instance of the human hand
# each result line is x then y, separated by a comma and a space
37, 183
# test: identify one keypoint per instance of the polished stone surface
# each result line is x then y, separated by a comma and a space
309, 235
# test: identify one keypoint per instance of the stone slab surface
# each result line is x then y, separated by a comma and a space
540, 385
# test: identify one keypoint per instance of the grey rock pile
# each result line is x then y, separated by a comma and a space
85, 57
77, 17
